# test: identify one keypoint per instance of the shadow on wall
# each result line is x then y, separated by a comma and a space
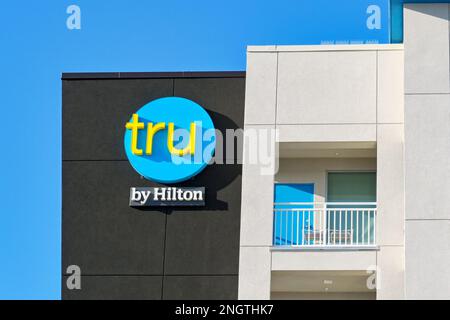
422, 6
214, 177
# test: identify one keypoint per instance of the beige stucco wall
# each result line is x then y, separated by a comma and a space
342, 94
427, 150
323, 296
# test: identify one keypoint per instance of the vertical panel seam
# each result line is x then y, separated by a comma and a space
164, 255
276, 88
165, 228
377, 92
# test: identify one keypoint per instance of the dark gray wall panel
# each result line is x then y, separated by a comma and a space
132, 253
101, 233
223, 96
206, 241
224, 99
95, 113
115, 288
200, 288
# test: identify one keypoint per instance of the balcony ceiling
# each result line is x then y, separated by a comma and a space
320, 281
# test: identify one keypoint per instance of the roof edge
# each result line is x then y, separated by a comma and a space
324, 48
150, 75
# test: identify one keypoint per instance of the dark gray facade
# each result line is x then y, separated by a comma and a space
143, 253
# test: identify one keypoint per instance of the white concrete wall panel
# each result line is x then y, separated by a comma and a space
390, 87
427, 133
254, 273
327, 133
426, 35
323, 260
261, 87
257, 202
427, 151
391, 273
323, 296
326, 87
428, 259
390, 185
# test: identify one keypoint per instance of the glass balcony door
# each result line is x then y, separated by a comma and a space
351, 191
291, 215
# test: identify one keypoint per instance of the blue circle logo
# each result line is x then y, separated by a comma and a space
170, 140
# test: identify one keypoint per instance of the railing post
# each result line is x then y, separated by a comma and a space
325, 227
375, 226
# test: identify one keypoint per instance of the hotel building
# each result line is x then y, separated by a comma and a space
358, 208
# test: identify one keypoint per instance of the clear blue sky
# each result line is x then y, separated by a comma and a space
139, 35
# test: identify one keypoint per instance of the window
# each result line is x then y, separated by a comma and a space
348, 188
352, 187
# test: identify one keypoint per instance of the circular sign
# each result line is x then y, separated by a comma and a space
170, 140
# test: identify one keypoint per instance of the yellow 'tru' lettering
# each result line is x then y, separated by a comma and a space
134, 125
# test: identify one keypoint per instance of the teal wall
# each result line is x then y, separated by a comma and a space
396, 16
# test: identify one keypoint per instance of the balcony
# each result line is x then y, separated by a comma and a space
331, 225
